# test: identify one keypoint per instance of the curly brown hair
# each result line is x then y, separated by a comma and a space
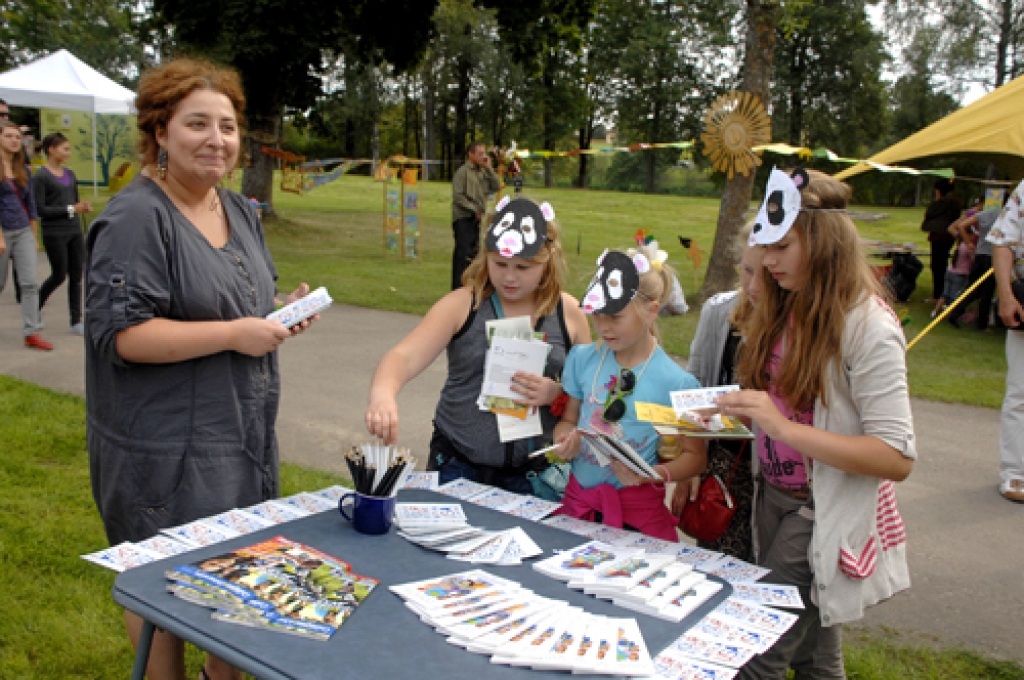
162, 88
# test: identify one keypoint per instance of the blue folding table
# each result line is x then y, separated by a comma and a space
382, 638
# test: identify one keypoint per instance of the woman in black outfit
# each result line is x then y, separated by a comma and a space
56, 194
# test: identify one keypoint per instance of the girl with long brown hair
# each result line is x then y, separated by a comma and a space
824, 361
18, 238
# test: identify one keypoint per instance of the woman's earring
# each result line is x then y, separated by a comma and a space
161, 163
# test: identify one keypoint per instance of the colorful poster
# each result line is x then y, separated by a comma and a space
117, 141
412, 200
994, 198
393, 206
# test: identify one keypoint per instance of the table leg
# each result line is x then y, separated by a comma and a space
142, 653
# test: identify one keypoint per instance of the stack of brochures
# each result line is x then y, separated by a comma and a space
723, 641
486, 614
517, 505
277, 585
443, 527
201, 533
513, 346
653, 584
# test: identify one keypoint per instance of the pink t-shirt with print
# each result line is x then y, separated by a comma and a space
782, 465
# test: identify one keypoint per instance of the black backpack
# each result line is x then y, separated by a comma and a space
902, 278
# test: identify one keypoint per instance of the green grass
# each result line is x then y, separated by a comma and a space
58, 620
332, 236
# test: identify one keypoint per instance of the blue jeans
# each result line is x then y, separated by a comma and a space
453, 468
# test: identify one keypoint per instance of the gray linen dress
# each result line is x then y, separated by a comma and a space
171, 443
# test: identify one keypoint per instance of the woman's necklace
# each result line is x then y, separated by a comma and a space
600, 365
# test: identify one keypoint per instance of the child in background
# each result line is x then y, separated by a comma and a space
604, 382
959, 268
824, 357
519, 272
714, 356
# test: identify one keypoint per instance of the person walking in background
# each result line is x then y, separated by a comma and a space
980, 222
1007, 238
470, 186
56, 194
944, 211
5, 116
18, 240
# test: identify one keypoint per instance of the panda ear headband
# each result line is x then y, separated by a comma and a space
782, 203
616, 282
520, 228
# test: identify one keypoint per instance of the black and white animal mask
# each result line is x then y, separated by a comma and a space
520, 228
615, 283
780, 207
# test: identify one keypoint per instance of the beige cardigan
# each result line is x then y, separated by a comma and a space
870, 397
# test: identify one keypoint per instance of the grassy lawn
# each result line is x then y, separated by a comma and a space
60, 622
332, 236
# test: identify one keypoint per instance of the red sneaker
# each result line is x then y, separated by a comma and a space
35, 341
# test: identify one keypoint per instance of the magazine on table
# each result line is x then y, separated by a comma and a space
277, 584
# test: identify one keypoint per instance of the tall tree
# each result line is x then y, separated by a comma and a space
762, 20
828, 89
545, 37
280, 49
976, 41
102, 33
662, 77
916, 101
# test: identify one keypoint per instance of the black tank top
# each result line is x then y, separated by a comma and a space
472, 431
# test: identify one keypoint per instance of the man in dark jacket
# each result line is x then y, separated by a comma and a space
470, 186
944, 211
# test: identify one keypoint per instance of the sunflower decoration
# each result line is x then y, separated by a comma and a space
733, 126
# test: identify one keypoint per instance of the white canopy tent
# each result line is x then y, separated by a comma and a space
62, 81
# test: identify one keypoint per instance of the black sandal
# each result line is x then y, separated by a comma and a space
206, 676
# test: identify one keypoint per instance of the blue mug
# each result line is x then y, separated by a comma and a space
370, 514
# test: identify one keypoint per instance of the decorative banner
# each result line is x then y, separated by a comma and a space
733, 126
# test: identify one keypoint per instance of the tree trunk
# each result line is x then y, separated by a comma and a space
1005, 37
461, 111
258, 176
586, 136
757, 68
428, 128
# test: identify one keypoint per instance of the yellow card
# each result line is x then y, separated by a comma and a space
656, 413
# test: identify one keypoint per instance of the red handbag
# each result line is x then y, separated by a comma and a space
708, 517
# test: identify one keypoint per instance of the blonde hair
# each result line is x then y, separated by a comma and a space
837, 278
743, 307
548, 292
655, 284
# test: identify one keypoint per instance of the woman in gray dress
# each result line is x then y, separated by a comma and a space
182, 378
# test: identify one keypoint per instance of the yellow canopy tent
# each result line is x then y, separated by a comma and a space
991, 129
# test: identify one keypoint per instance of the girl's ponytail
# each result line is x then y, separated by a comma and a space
656, 284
